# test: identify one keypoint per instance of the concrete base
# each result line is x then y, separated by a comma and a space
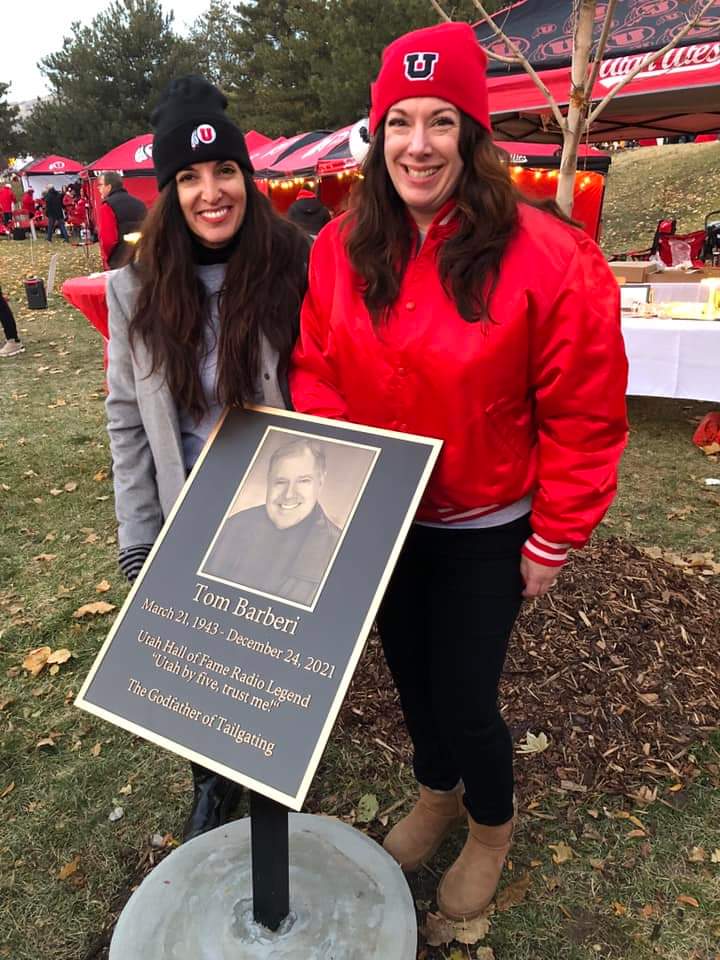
348, 899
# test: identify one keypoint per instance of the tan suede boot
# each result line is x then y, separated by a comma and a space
416, 837
469, 885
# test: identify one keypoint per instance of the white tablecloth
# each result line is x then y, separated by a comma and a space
673, 358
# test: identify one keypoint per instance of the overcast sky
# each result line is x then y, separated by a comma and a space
48, 24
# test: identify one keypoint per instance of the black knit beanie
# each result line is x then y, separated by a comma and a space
191, 126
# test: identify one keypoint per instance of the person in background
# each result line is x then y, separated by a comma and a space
120, 214
446, 305
13, 344
308, 212
55, 214
6, 203
28, 203
204, 317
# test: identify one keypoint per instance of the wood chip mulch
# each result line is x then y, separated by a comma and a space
619, 666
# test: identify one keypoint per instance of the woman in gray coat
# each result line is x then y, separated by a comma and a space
205, 317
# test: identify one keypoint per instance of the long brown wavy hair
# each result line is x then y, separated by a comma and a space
264, 284
379, 237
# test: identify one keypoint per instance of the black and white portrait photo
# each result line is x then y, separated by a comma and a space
286, 522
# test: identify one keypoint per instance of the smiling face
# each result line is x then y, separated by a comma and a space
212, 198
293, 487
422, 155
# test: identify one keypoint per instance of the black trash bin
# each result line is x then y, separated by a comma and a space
35, 293
19, 233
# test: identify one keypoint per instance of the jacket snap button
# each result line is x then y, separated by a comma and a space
410, 305
267, 376
401, 371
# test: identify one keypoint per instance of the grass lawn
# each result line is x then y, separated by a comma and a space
622, 891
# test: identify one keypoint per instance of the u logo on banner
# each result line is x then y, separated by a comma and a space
420, 66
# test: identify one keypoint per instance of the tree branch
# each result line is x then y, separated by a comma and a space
647, 61
523, 61
491, 55
439, 10
600, 50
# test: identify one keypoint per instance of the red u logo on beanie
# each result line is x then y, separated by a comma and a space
205, 133
420, 66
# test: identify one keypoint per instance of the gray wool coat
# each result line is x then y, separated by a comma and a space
143, 424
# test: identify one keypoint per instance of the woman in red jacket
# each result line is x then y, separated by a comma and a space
446, 305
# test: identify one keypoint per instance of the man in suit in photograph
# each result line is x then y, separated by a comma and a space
282, 547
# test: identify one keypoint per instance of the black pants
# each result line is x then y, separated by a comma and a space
58, 222
445, 624
7, 320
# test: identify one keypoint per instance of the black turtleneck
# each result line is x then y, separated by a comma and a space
205, 256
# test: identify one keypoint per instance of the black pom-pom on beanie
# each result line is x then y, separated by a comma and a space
190, 126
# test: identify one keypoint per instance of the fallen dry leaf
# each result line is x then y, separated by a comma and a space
563, 852
95, 751
70, 486
55, 492
70, 868
647, 911
126, 790
485, 953
367, 808
59, 656
100, 475
696, 855
6, 702
96, 608
533, 744
513, 894
36, 660
687, 901
46, 557
619, 909
7, 791
650, 699
634, 834
470, 931
438, 930
46, 742
715, 856
102, 587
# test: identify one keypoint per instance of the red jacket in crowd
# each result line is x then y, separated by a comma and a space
530, 403
28, 204
6, 199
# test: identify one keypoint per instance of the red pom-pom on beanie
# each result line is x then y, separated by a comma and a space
445, 61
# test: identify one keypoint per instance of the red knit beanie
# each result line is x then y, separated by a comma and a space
445, 61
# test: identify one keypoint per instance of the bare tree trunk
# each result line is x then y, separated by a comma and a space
577, 108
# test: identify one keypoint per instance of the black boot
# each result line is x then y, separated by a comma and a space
214, 801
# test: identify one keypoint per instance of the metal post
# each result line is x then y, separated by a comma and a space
270, 861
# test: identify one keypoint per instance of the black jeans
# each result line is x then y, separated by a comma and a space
7, 320
445, 623
58, 222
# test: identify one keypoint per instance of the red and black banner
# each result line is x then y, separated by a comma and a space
543, 29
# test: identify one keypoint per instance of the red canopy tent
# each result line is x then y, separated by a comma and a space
48, 171
133, 161
678, 94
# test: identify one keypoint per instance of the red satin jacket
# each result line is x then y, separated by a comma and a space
532, 402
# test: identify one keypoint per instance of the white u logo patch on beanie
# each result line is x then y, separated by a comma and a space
420, 66
204, 133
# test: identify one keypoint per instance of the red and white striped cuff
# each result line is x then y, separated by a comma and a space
543, 551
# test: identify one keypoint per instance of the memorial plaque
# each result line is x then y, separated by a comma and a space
237, 642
